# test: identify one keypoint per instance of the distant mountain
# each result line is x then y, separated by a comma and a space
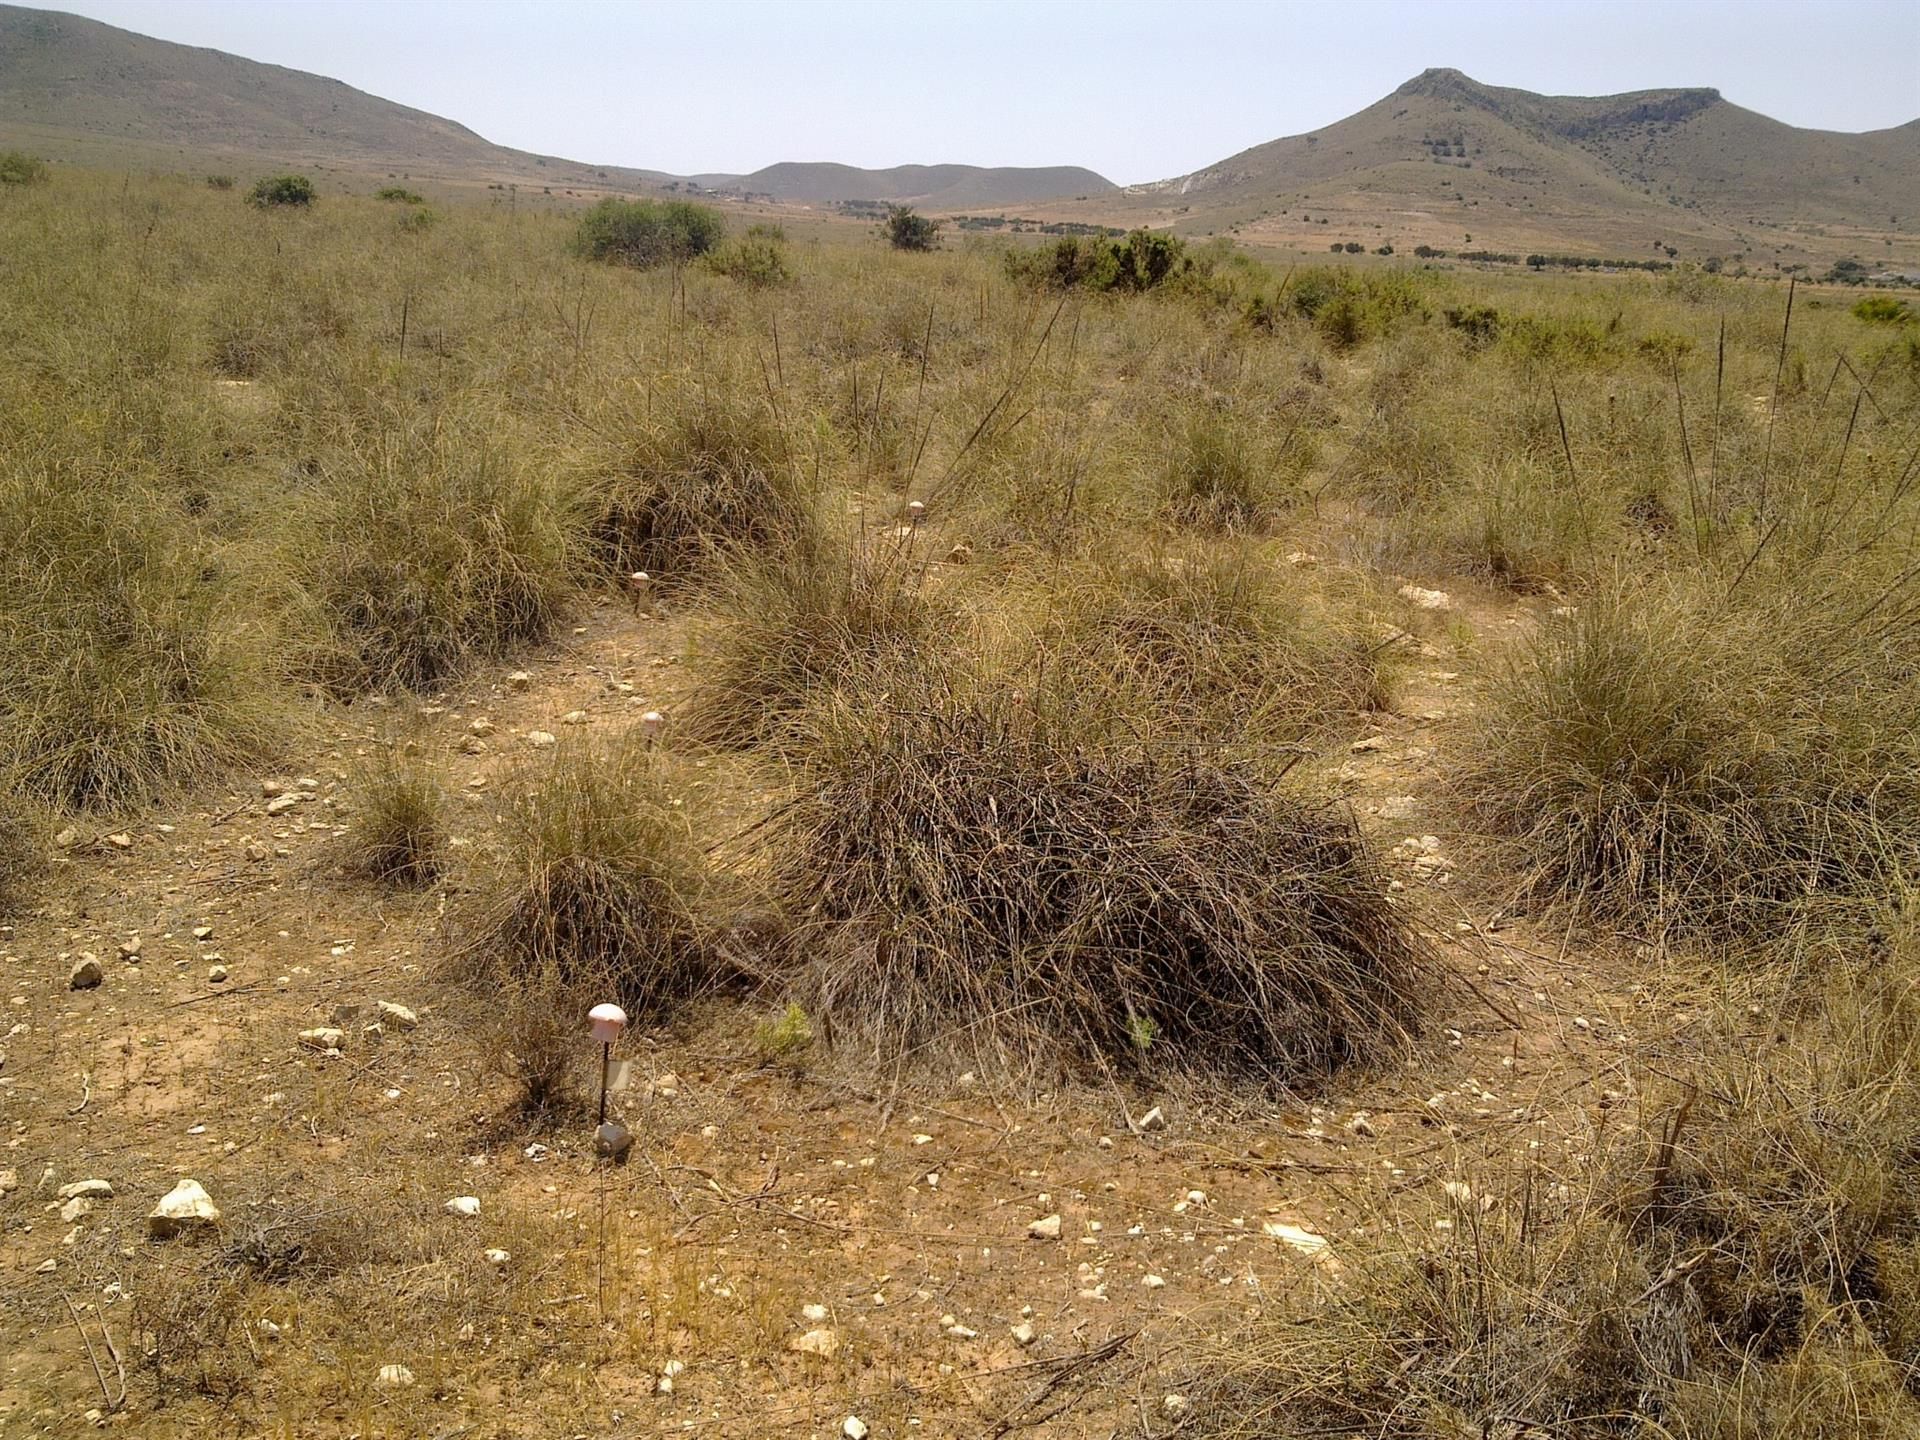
933, 187
1445, 156
91, 91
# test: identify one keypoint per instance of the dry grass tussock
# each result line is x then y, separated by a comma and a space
822, 609
398, 834
1693, 763
131, 662
422, 548
1218, 637
1738, 1264
987, 877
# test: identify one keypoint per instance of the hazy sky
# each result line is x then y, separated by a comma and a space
1137, 89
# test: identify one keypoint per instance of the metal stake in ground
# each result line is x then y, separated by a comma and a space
604, 1023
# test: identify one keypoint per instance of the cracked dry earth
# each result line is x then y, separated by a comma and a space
789, 1251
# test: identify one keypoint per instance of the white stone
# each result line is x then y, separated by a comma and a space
519, 680
824, 1343
86, 973
464, 1205
854, 1428
395, 1377
1426, 599
394, 1016
496, 1256
541, 739
1024, 1334
1046, 1228
186, 1207
813, 1313
575, 717
325, 1037
1153, 1282
1152, 1120
91, 1189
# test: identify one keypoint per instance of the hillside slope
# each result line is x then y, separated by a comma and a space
1444, 157
85, 90
81, 87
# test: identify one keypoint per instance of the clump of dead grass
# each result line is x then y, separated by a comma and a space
799, 618
1695, 763
987, 874
399, 832
1736, 1264
1217, 635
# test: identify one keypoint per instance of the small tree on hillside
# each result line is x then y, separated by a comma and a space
908, 230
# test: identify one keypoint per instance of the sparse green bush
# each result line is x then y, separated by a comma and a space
399, 194
988, 876
785, 1036
1882, 310
281, 190
646, 233
19, 168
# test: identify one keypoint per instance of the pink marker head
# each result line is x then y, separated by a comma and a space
605, 1022
651, 723
639, 580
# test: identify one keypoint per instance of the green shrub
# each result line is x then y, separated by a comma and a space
399, 194
279, 190
992, 877
1141, 260
19, 168
423, 550
757, 259
1882, 310
646, 233
908, 230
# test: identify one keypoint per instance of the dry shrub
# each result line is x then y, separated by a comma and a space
425, 548
399, 833
602, 884
22, 850
821, 610
1217, 635
981, 874
709, 467
1740, 1267
1220, 464
130, 663
1692, 764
